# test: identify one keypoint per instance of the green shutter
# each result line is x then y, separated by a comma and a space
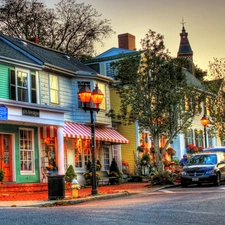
4, 82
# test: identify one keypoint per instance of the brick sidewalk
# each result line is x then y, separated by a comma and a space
83, 192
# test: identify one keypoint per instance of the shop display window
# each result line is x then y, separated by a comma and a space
49, 152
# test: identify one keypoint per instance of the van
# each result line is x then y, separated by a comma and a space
201, 168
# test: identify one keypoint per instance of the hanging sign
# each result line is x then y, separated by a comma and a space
3, 113
30, 112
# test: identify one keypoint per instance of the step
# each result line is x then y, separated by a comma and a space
13, 187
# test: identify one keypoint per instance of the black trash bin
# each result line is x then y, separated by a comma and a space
56, 187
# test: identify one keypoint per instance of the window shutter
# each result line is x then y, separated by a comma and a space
12, 84
33, 89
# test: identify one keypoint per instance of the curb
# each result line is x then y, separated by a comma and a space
65, 202
76, 201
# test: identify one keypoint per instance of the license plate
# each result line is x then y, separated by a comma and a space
195, 179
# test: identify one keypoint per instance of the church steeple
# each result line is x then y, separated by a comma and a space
185, 50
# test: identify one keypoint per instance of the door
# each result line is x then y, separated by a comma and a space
6, 156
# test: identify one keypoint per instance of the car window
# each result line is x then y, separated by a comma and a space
203, 159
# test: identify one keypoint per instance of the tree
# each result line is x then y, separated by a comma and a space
153, 91
70, 27
216, 85
199, 73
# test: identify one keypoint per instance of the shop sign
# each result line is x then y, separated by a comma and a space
3, 113
30, 112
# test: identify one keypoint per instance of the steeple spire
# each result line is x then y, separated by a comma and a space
185, 50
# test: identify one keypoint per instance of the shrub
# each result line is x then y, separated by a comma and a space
162, 179
2, 175
70, 174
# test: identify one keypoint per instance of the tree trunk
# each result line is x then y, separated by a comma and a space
159, 163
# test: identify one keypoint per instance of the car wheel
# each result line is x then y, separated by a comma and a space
217, 180
184, 184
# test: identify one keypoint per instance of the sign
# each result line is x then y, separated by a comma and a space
3, 113
30, 112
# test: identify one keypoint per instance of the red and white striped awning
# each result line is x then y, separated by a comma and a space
75, 130
48, 132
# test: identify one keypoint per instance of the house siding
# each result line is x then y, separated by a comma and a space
128, 131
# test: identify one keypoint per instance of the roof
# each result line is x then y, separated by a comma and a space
27, 51
113, 54
185, 47
214, 85
191, 79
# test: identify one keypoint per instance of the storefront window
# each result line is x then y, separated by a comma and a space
26, 150
82, 152
50, 153
106, 158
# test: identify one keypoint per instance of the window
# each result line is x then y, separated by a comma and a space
199, 138
187, 103
82, 152
26, 151
101, 86
110, 72
81, 85
54, 89
23, 86
197, 105
115, 153
106, 158
188, 136
208, 103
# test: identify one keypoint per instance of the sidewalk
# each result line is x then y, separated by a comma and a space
40, 199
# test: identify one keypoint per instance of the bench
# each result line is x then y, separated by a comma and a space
105, 179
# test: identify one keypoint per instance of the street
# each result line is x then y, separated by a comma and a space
191, 205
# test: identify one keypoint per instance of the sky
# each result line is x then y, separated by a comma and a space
204, 22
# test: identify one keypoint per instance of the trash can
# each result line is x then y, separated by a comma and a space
56, 187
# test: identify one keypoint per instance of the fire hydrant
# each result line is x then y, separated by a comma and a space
75, 188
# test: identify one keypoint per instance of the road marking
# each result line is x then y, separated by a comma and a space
166, 191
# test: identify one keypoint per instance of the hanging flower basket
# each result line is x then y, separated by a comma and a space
140, 149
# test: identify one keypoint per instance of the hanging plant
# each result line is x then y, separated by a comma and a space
140, 149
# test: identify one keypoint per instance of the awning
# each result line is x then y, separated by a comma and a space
48, 132
75, 130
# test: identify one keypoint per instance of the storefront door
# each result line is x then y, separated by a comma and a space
6, 156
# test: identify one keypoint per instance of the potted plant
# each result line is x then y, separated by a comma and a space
69, 176
145, 159
115, 172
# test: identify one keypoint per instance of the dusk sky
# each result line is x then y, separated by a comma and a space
204, 22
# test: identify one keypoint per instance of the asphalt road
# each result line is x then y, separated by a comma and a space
192, 205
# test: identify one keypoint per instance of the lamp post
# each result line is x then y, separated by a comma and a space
205, 121
96, 96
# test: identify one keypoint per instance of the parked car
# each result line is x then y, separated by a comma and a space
204, 168
215, 149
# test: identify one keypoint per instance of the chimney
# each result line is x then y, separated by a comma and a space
126, 41
35, 40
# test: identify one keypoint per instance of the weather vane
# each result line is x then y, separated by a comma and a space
183, 21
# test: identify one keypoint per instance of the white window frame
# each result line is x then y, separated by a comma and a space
26, 148
54, 99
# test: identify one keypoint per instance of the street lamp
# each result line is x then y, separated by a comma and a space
205, 121
96, 96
